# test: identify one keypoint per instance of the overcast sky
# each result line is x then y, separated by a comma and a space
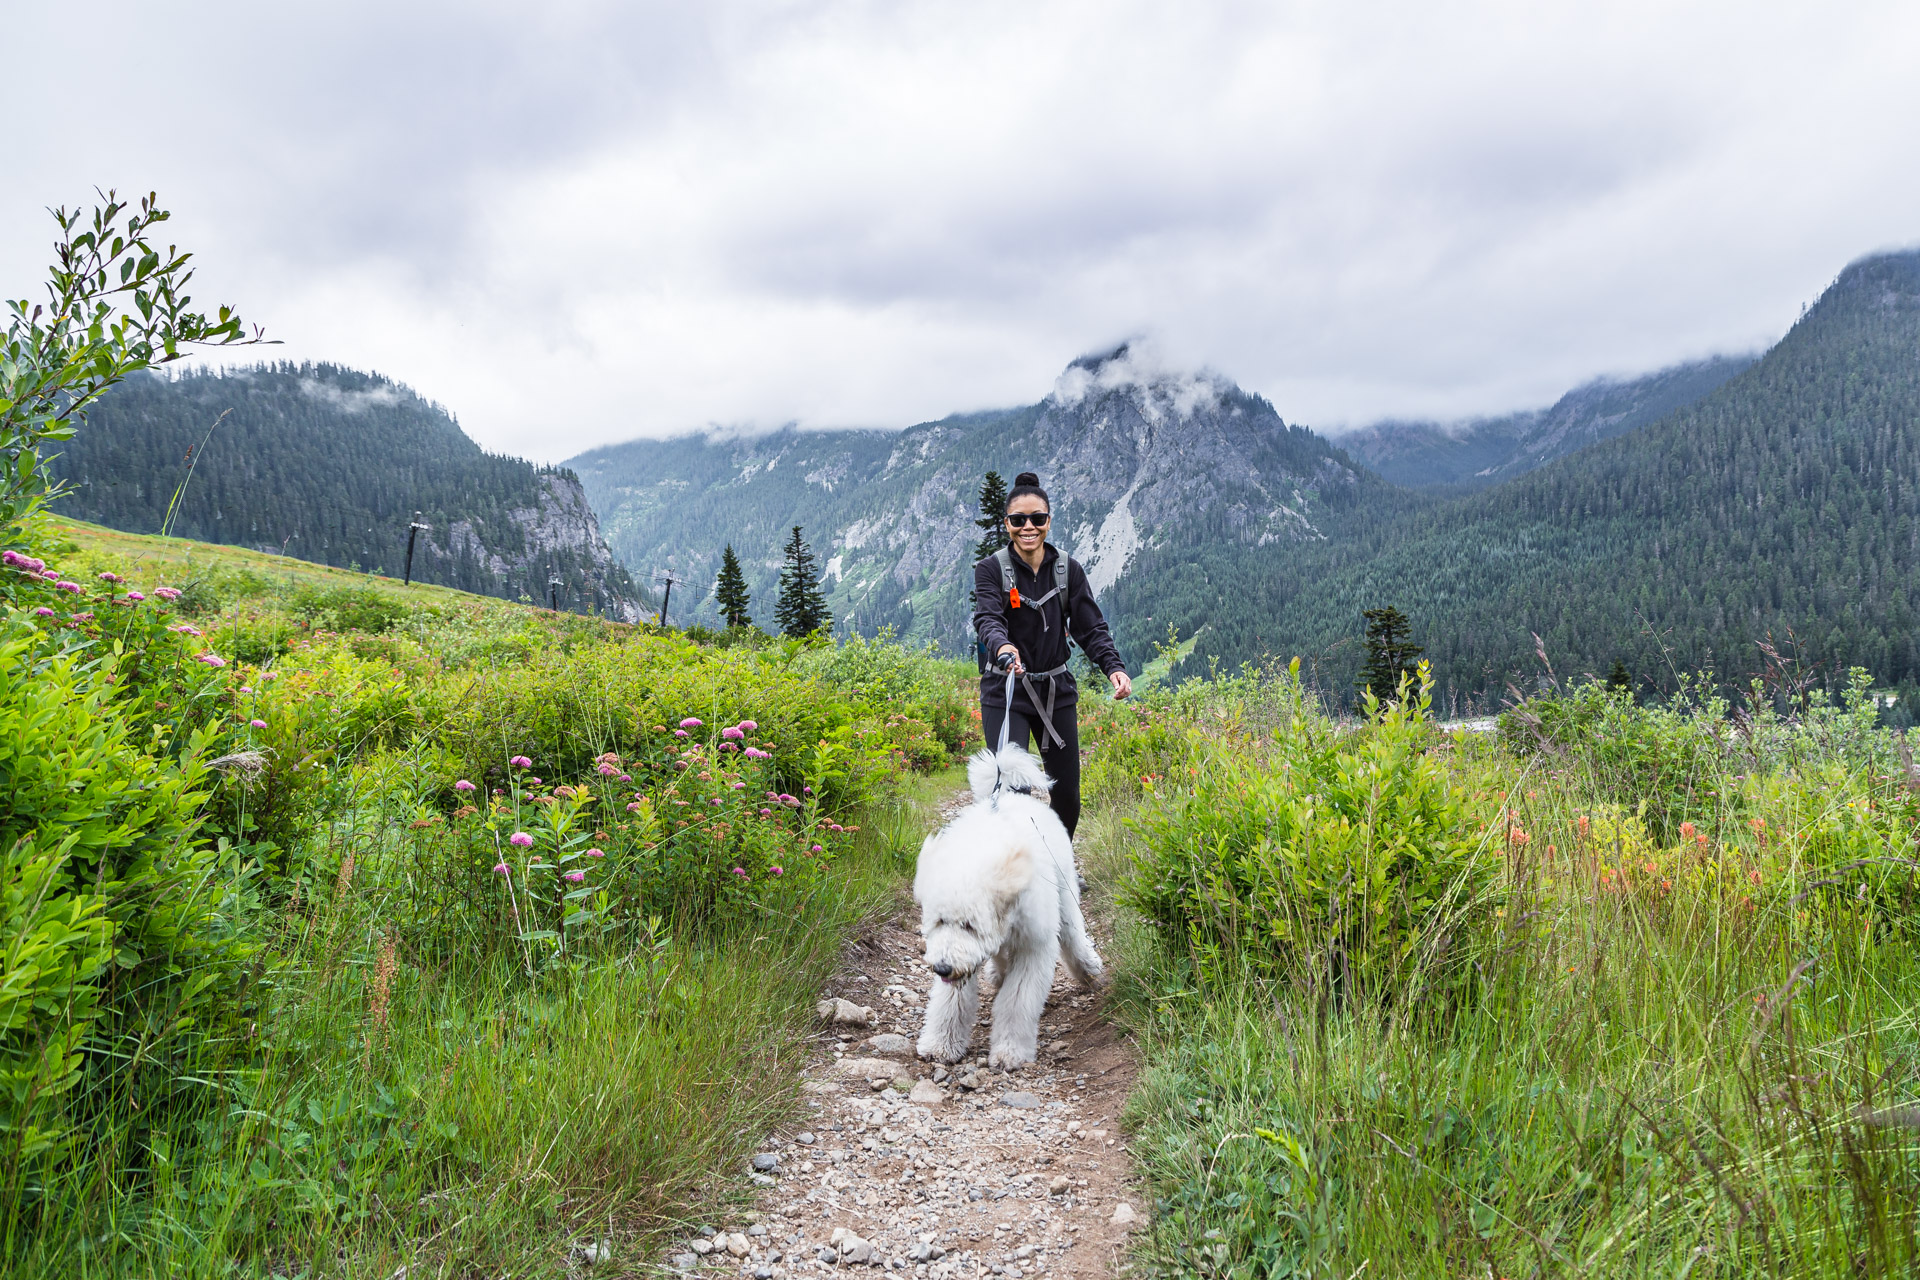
574, 223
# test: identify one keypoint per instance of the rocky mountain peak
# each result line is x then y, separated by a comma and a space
1135, 372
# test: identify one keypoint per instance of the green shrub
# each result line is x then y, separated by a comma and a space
346, 608
102, 859
1351, 859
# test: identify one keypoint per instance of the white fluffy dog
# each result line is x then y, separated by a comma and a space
997, 883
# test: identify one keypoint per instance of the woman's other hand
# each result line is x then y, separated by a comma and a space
1008, 651
1122, 684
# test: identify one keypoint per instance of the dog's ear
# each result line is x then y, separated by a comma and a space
1011, 876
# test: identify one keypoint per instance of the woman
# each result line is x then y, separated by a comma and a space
1027, 621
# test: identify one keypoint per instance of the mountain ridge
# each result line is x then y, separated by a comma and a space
329, 464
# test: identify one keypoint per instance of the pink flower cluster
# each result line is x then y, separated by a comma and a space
24, 563
167, 593
520, 762
210, 658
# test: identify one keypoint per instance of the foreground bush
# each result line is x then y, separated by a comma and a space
1351, 861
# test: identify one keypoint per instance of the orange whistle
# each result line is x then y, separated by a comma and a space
1014, 592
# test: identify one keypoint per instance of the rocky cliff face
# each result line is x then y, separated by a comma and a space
1135, 458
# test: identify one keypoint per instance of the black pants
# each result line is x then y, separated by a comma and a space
1062, 762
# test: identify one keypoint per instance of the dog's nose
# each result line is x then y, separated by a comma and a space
944, 969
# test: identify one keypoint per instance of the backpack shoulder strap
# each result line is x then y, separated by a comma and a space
1061, 563
1004, 558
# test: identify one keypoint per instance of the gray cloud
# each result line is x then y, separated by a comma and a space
574, 223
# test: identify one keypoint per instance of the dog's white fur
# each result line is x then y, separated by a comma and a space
998, 883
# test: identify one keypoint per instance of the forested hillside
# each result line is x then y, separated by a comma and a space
1485, 451
1782, 505
329, 464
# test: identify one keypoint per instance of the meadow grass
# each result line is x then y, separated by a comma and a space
1681, 1055
410, 1063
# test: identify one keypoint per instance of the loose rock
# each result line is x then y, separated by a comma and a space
1123, 1215
846, 1013
1019, 1100
766, 1162
890, 1043
927, 1094
737, 1245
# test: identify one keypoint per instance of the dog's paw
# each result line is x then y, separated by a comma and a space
1009, 1057
934, 1049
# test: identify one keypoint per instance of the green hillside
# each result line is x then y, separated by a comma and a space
1781, 505
329, 464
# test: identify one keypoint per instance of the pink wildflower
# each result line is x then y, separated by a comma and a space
109, 577
73, 587
748, 725
520, 839
596, 853
167, 593
576, 876
257, 724
679, 733
766, 813
775, 871
755, 753
520, 762
733, 733
741, 872
739, 786
43, 612
463, 785
135, 596
500, 869
607, 771
714, 800
533, 782
633, 807
211, 659
691, 722
626, 777
816, 849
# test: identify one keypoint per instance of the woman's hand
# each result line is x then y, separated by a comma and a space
1009, 651
1122, 685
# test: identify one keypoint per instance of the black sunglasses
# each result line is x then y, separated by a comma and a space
1018, 519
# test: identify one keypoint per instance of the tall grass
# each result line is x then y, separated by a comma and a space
418, 1058
1690, 1054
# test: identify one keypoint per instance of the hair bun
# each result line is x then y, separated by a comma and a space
1027, 477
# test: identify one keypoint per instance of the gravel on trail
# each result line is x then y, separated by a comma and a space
939, 1172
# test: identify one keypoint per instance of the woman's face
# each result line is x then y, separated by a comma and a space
1027, 536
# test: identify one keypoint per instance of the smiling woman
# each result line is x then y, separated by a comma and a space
1028, 599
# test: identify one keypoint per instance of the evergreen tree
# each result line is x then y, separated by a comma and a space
730, 591
993, 516
1619, 678
802, 607
1390, 653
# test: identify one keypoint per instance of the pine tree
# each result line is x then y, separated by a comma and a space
1390, 653
1619, 678
730, 591
802, 607
993, 516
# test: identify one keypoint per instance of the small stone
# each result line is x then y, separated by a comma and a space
762, 1180
902, 1084
1058, 1046
766, 1162
846, 1013
1123, 1215
592, 1253
1024, 1252
763, 1273
927, 1093
819, 1086
890, 1044
878, 1085
756, 1230
684, 1261
805, 1139
971, 1080
737, 1245
703, 1247
940, 1072
1020, 1100
1060, 1185
1098, 1135
866, 1069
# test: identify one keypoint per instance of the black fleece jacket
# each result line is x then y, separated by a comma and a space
1040, 634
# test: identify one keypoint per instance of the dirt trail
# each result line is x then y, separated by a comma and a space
977, 1173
